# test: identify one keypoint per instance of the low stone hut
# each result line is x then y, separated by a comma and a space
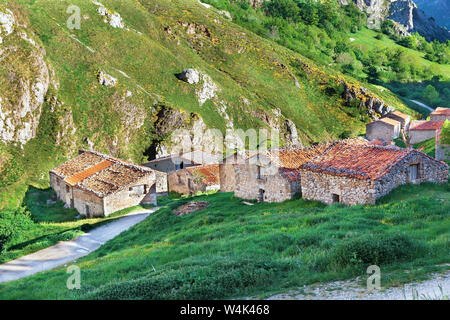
273, 175
384, 129
440, 114
360, 174
191, 180
422, 130
97, 185
404, 119
227, 169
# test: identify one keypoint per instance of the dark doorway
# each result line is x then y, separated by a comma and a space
261, 195
88, 214
336, 198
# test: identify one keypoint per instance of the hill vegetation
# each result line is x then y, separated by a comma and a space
231, 250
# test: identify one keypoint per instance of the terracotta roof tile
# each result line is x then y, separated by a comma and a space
400, 114
441, 111
99, 173
426, 125
389, 121
362, 162
209, 174
80, 176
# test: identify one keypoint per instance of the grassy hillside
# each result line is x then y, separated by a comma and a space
254, 77
233, 250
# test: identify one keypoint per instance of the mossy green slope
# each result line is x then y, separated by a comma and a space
156, 43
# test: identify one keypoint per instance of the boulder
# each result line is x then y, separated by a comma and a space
190, 76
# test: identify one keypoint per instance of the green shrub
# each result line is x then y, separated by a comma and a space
376, 249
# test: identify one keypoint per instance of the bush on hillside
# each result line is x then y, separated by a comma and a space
376, 249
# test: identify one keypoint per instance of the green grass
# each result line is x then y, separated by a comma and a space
366, 39
48, 223
241, 63
428, 147
232, 250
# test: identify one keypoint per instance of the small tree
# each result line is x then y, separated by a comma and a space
430, 94
406, 138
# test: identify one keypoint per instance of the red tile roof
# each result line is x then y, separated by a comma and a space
80, 176
209, 174
400, 114
100, 174
426, 125
368, 162
441, 111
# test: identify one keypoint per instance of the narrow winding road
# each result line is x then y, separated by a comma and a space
422, 105
67, 251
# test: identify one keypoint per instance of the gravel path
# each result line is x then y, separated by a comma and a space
67, 251
422, 105
436, 288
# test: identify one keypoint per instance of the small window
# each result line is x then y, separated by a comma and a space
67, 189
336, 198
258, 173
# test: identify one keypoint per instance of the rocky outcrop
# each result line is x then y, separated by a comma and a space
106, 80
112, 18
408, 14
404, 12
27, 76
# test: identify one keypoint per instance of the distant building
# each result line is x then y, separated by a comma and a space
421, 130
194, 179
183, 160
97, 185
384, 129
404, 119
171, 163
442, 151
360, 174
440, 114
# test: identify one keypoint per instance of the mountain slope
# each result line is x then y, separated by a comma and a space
247, 82
438, 9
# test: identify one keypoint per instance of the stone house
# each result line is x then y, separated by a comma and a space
422, 130
165, 165
360, 174
384, 129
191, 180
273, 175
404, 119
97, 185
440, 114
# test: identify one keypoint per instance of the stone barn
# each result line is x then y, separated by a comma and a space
404, 119
384, 129
440, 114
166, 165
191, 180
97, 185
273, 175
422, 130
360, 174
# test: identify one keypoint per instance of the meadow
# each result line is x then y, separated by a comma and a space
232, 250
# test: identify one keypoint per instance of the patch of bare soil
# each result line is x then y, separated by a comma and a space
191, 207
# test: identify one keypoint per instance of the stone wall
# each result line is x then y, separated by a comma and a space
429, 171
439, 117
227, 177
64, 192
161, 182
382, 131
418, 136
321, 187
87, 203
140, 192
275, 187
183, 182
442, 152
